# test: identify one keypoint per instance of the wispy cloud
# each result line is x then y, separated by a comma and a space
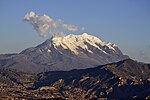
45, 25
70, 27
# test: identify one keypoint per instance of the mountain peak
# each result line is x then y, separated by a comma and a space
68, 52
77, 38
85, 35
83, 42
73, 42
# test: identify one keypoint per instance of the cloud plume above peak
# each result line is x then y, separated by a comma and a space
70, 27
45, 25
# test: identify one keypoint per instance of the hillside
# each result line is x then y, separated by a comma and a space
123, 80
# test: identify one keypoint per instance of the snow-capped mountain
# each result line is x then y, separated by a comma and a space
68, 52
74, 52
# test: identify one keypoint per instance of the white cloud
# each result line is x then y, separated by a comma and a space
45, 25
42, 24
70, 27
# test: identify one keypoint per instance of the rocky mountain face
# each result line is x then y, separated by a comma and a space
64, 53
14, 83
124, 80
13, 77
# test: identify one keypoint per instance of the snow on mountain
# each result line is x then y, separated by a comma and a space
72, 42
70, 52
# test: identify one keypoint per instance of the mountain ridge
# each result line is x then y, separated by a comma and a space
123, 80
64, 53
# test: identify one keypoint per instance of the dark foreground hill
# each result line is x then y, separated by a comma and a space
124, 80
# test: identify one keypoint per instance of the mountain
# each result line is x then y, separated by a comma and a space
13, 83
20, 63
124, 80
12, 77
64, 53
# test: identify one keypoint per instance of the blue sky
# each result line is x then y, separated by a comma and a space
123, 22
